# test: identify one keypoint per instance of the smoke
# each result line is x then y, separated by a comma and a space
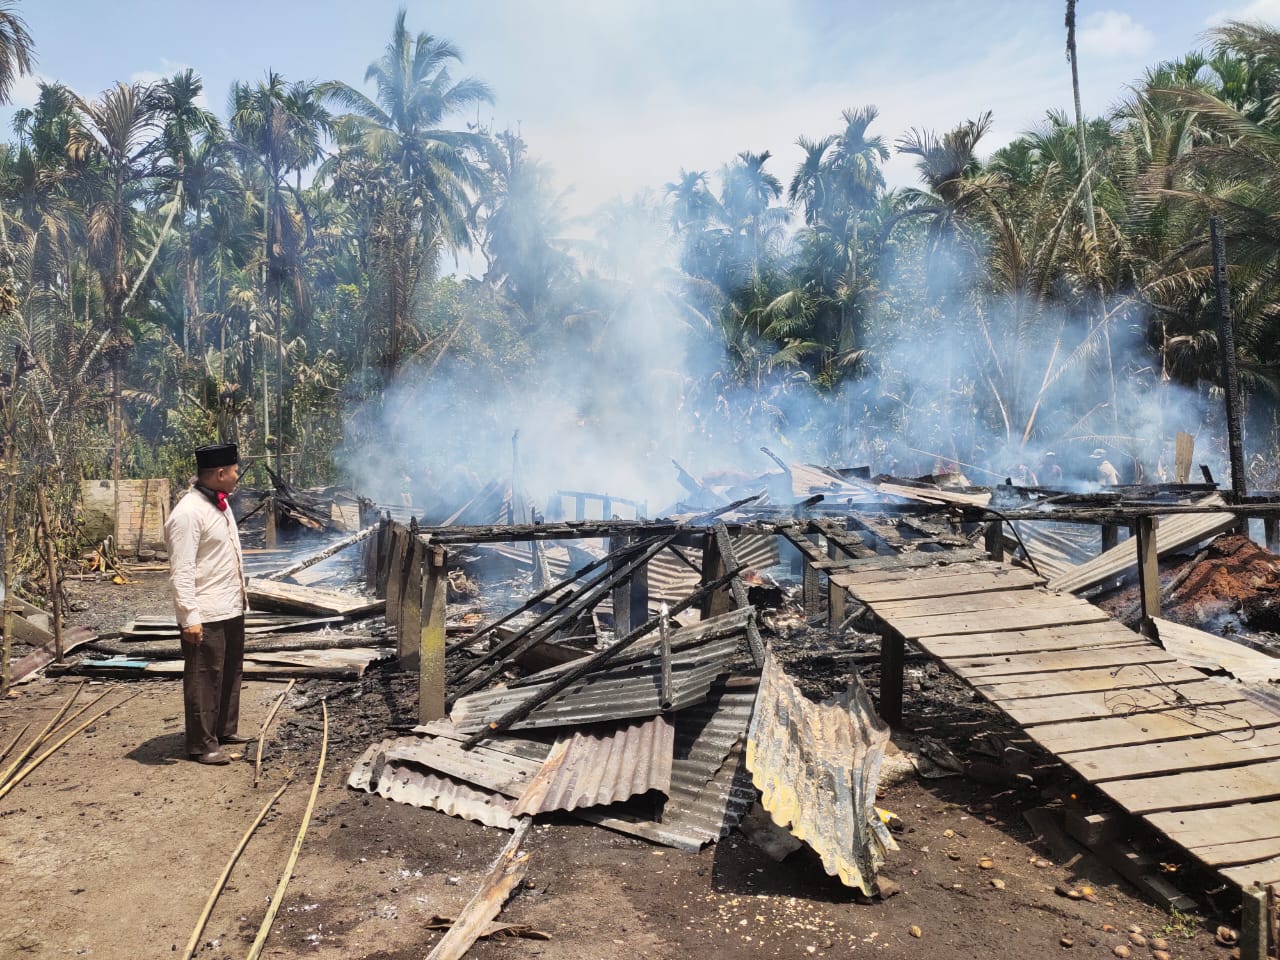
635, 373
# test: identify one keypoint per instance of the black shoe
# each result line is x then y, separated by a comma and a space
236, 738
213, 758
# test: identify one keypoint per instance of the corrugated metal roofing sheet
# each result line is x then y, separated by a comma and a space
588, 769
483, 766
618, 694
407, 783
817, 766
711, 789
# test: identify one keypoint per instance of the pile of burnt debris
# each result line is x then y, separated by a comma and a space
661, 677
667, 724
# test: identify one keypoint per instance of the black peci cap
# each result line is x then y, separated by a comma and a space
216, 455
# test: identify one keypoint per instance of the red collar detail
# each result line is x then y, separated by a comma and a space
221, 502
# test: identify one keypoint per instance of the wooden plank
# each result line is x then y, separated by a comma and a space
1176, 531
1199, 753
984, 621
431, 638
911, 568
1030, 711
974, 602
1150, 727
1011, 578
1198, 788
484, 767
1236, 854
1194, 829
1201, 649
1076, 637
1011, 666
1084, 681
1265, 872
288, 596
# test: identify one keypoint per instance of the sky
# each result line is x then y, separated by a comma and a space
617, 97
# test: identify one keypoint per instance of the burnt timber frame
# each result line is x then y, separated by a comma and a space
408, 564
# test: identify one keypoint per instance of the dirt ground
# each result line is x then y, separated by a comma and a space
110, 849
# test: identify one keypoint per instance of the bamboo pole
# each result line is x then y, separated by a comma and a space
262, 734
79, 713
40, 737
226, 874
14, 742
25, 771
8, 562
278, 897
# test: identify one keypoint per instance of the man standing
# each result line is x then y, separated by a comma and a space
206, 573
1108, 476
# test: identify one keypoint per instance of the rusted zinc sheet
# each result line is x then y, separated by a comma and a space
711, 789
817, 766
620, 693
408, 783
588, 769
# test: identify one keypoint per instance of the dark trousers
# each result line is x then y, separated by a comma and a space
211, 684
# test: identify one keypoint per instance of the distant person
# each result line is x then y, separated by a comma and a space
1050, 470
1108, 476
206, 574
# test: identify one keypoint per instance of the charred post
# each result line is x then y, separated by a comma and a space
1227, 350
435, 589
1144, 529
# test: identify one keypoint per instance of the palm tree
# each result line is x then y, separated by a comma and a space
194, 157
281, 127
1085, 174
114, 145
521, 220
17, 55
424, 197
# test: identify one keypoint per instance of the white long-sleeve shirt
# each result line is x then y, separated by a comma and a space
206, 569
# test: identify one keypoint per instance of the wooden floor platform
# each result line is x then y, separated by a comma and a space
1184, 751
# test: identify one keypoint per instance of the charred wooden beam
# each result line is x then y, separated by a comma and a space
591, 664
482, 631
435, 591
1148, 565
567, 610
724, 544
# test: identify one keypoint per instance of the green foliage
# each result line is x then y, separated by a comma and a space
261, 275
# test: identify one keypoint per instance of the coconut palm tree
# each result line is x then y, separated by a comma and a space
1085, 173
431, 174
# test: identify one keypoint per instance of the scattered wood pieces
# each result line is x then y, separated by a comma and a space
272, 595
262, 734
226, 874
507, 871
278, 897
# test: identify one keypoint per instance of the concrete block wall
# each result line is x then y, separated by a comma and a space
139, 522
